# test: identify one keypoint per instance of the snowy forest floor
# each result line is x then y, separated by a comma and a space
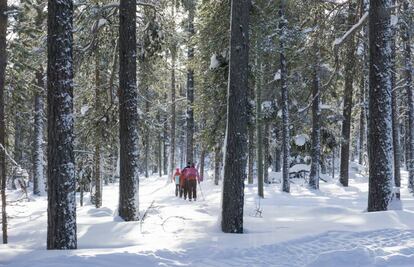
305, 228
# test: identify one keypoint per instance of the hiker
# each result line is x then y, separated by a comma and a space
184, 181
176, 180
193, 177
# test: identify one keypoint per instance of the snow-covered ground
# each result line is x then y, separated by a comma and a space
305, 228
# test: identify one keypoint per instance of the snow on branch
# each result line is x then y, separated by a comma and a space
8, 155
139, 3
339, 41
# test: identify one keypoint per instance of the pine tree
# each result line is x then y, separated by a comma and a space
380, 117
61, 230
237, 118
128, 112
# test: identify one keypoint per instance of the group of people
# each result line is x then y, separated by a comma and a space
186, 182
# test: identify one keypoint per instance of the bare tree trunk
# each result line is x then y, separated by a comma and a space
251, 155
237, 120
408, 69
348, 92
164, 141
38, 159
266, 155
159, 148
61, 227
172, 127
285, 98
276, 164
190, 92
333, 163
146, 130
362, 124
407, 139
202, 162
128, 113
97, 194
316, 124
395, 114
364, 89
3, 63
259, 130
380, 111
217, 163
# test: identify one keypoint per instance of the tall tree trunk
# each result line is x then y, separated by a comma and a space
285, 98
402, 140
408, 69
61, 227
316, 124
362, 124
18, 137
146, 130
251, 155
3, 62
364, 88
395, 113
202, 162
159, 147
128, 112
164, 141
380, 112
266, 155
237, 119
217, 163
407, 138
190, 91
333, 163
323, 163
172, 127
98, 134
182, 146
348, 92
276, 152
259, 130
38, 160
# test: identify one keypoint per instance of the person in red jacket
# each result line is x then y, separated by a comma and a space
184, 181
176, 181
193, 177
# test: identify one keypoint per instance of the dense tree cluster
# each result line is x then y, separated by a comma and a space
240, 88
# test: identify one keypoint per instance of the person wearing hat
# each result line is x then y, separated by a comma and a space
184, 180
